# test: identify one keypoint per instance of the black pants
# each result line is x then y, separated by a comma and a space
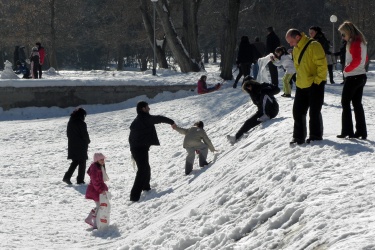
244, 70
81, 170
35, 72
40, 70
352, 92
249, 124
330, 72
274, 74
311, 99
143, 176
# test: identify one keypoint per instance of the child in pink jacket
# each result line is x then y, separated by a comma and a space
97, 186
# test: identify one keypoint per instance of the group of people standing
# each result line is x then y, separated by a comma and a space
36, 62
311, 66
309, 63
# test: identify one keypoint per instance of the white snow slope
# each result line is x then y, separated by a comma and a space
259, 193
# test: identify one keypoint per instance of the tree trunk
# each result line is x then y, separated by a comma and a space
178, 50
120, 57
205, 57
160, 45
52, 55
230, 38
190, 30
214, 55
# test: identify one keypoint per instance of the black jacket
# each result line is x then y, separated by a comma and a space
262, 95
272, 42
247, 53
143, 132
324, 42
78, 138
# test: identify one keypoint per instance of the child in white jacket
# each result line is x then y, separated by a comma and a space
284, 59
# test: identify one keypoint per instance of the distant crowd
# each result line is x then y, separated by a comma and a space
35, 61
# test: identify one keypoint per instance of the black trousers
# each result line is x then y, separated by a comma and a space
274, 74
81, 170
143, 176
330, 72
352, 92
40, 70
311, 99
244, 70
249, 124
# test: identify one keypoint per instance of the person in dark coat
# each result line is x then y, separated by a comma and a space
78, 143
316, 33
342, 54
142, 136
246, 56
272, 42
262, 95
22, 69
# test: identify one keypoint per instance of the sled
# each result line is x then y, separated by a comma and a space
103, 213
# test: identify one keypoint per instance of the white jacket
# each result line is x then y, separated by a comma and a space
287, 63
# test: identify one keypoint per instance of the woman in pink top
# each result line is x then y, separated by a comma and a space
355, 79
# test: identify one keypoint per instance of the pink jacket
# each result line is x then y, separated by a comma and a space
97, 184
202, 87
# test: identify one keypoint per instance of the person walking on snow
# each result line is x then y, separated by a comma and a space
247, 55
193, 143
97, 186
78, 143
284, 59
262, 95
142, 136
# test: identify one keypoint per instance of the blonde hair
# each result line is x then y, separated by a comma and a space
352, 31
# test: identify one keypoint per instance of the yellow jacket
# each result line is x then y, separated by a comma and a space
313, 66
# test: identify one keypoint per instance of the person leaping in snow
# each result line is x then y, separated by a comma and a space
202, 86
196, 140
262, 96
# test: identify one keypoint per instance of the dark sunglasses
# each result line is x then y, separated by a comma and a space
343, 35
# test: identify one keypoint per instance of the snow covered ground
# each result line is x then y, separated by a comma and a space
260, 193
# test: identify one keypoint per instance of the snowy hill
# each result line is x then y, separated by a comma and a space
259, 193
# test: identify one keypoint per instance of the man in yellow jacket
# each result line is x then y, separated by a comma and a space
311, 66
195, 139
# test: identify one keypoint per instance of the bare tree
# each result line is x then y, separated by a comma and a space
175, 44
161, 44
230, 38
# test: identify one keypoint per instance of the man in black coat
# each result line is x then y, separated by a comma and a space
272, 42
142, 136
78, 143
247, 54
